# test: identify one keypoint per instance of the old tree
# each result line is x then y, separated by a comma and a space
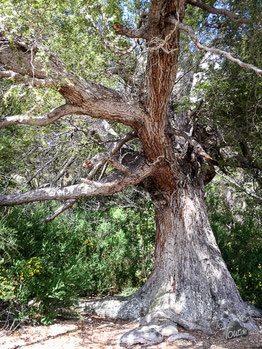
132, 64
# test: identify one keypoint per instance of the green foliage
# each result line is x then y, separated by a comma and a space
239, 237
107, 252
47, 267
76, 30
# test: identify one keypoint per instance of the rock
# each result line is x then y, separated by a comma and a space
141, 335
235, 330
180, 336
168, 331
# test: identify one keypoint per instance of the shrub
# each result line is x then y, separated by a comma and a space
239, 237
48, 266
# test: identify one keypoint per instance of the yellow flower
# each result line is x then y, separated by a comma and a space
249, 274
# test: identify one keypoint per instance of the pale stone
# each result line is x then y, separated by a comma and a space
143, 335
180, 336
169, 331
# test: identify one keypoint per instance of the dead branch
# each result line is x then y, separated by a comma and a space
117, 165
21, 79
217, 11
57, 212
100, 159
42, 120
217, 51
64, 169
42, 167
97, 166
239, 186
87, 189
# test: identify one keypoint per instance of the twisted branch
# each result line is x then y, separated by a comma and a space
217, 51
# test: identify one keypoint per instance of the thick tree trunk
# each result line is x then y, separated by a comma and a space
190, 284
190, 277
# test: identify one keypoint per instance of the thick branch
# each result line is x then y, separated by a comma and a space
19, 61
217, 51
131, 33
21, 79
89, 188
42, 120
217, 11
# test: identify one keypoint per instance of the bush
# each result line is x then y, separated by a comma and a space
48, 266
45, 268
239, 237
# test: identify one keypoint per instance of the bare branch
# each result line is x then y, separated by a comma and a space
100, 159
117, 165
57, 212
42, 167
97, 166
19, 78
217, 51
239, 186
217, 11
87, 189
63, 170
42, 120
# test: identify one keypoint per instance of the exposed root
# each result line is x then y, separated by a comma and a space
125, 308
164, 316
165, 320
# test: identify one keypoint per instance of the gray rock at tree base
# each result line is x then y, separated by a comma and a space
169, 330
165, 327
141, 335
180, 336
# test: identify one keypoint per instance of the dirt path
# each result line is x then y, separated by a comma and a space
95, 332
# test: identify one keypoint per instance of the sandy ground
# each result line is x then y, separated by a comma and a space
96, 332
